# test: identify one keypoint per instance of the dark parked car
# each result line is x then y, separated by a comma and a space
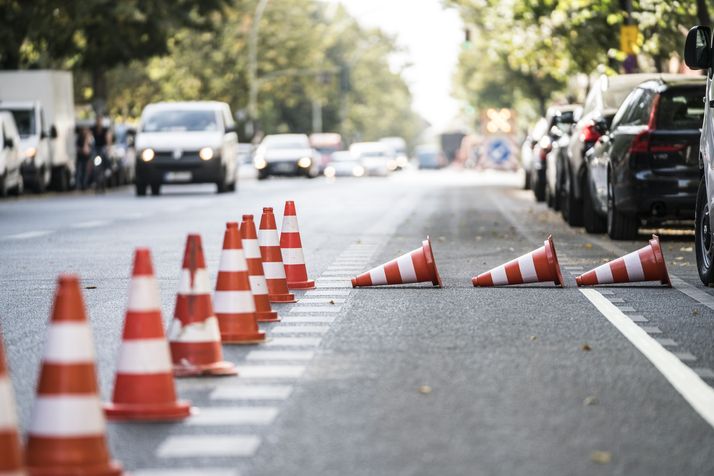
555, 158
645, 169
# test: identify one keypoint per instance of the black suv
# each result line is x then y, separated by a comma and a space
645, 169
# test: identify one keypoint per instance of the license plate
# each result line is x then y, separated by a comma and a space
178, 176
285, 167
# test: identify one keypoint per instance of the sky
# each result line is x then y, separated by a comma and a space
432, 37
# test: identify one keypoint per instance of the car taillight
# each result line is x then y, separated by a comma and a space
589, 133
641, 143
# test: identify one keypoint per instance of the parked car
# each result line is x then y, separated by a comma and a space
527, 158
557, 120
698, 56
555, 158
429, 157
326, 144
186, 142
286, 154
603, 99
344, 164
375, 157
10, 175
645, 169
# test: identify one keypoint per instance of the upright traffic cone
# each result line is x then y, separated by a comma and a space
67, 429
233, 300
272, 259
537, 266
258, 285
144, 383
417, 266
10, 453
291, 249
646, 264
194, 337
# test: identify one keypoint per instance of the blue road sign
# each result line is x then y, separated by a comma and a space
498, 151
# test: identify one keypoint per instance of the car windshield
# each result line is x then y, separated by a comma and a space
614, 97
681, 109
25, 121
286, 143
180, 121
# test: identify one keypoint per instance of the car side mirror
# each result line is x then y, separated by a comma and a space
697, 48
601, 126
9, 143
53, 132
231, 128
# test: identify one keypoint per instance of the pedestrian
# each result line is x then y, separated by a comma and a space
85, 144
102, 141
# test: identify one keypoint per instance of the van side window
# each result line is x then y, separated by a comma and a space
623, 112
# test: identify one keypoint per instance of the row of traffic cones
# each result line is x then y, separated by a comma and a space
540, 265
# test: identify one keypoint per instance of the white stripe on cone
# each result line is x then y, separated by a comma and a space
378, 276
205, 331
604, 273
406, 268
69, 342
268, 238
290, 224
201, 283
226, 302
57, 416
274, 270
8, 415
634, 267
499, 276
258, 285
251, 248
292, 255
232, 260
144, 294
527, 268
144, 356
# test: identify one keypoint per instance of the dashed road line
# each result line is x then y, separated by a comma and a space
300, 330
270, 371
301, 355
317, 309
28, 234
186, 472
325, 300
333, 284
323, 292
192, 446
252, 392
90, 224
293, 342
220, 416
309, 319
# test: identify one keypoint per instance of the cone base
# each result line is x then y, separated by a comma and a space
552, 258
267, 316
111, 469
426, 246
217, 369
309, 284
145, 412
284, 298
254, 338
354, 282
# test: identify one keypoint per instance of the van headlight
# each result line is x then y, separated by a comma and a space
392, 165
260, 163
305, 162
148, 155
206, 153
330, 171
358, 171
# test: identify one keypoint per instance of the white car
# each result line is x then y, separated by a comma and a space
375, 157
399, 148
286, 154
344, 164
186, 142
10, 176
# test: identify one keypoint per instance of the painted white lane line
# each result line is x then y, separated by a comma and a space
192, 446
616, 300
637, 317
233, 416
328, 309
28, 234
651, 329
308, 319
694, 390
300, 330
325, 292
325, 300
340, 267
252, 392
335, 278
280, 355
704, 372
685, 356
271, 371
90, 224
293, 342
333, 284
626, 309
666, 341
692, 292
345, 274
186, 472
605, 292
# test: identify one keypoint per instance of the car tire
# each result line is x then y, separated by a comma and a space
3, 186
571, 208
703, 239
262, 176
593, 221
140, 189
38, 183
59, 179
527, 181
538, 187
156, 189
620, 226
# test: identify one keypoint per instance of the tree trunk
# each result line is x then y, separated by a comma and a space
703, 13
99, 91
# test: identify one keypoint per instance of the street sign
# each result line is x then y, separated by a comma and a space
498, 151
628, 38
499, 121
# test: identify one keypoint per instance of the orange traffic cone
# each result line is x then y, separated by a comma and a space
646, 264
144, 384
194, 337
67, 430
537, 266
258, 285
10, 453
233, 300
291, 248
417, 266
272, 259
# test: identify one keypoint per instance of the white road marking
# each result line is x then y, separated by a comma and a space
322, 301
666, 341
280, 355
325, 292
614, 300
186, 472
328, 309
637, 317
651, 329
605, 292
346, 277
309, 319
694, 390
333, 284
685, 356
694, 293
252, 392
192, 446
271, 371
90, 224
346, 274
344, 268
28, 234
626, 309
293, 342
300, 330
704, 372
233, 416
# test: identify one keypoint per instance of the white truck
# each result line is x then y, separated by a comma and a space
42, 103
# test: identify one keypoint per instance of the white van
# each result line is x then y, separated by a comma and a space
10, 177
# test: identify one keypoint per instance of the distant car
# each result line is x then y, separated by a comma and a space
399, 148
124, 151
286, 154
527, 158
326, 144
186, 142
375, 157
429, 157
645, 169
10, 175
344, 164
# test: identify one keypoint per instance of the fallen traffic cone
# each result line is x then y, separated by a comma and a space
10, 453
273, 259
67, 429
194, 337
291, 249
144, 385
258, 285
646, 264
417, 266
537, 266
233, 300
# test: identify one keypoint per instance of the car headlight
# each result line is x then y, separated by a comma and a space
305, 162
402, 161
358, 171
97, 161
148, 155
206, 153
330, 171
392, 165
260, 163
30, 153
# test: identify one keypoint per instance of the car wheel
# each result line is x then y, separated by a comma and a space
156, 189
38, 185
527, 181
593, 221
140, 189
549, 197
538, 184
703, 240
262, 176
3, 185
620, 226
570, 207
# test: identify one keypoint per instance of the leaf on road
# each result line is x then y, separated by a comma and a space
695, 312
588, 246
332, 301
90, 287
442, 238
601, 457
533, 337
590, 400
679, 258
586, 347
424, 390
686, 249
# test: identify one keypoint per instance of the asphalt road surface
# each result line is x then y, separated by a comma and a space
410, 380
